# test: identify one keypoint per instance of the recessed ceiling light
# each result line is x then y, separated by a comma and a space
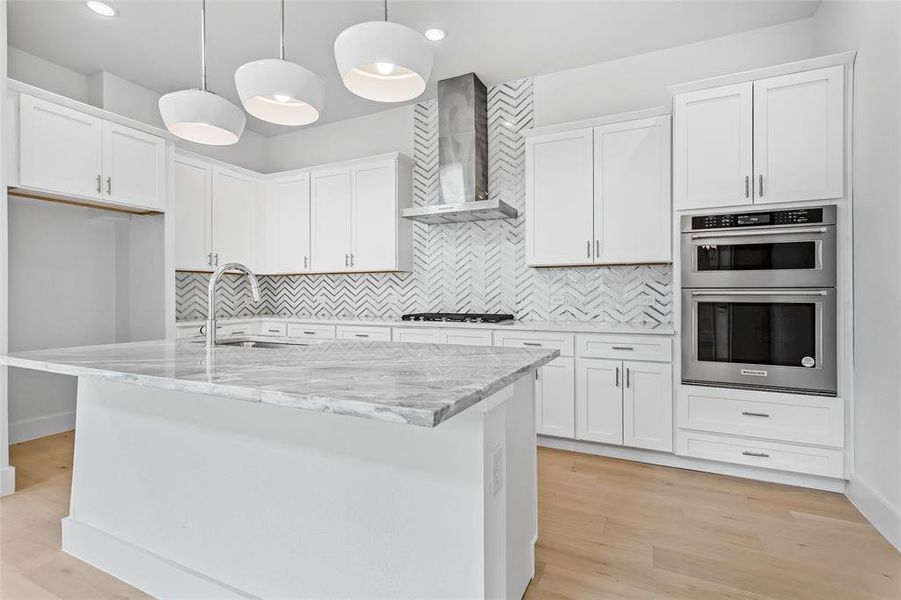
101, 8
435, 35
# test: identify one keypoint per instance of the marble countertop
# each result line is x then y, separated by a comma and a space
552, 326
418, 384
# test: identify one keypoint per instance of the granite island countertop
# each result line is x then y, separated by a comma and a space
417, 384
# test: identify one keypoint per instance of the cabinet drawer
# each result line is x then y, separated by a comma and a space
307, 330
535, 339
772, 455
238, 329
380, 334
616, 347
782, 417
273, 328
415, 334
188, 331
466, 337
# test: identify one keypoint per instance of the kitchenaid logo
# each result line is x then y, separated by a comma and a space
754, 372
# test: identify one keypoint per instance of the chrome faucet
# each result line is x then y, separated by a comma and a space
211, 297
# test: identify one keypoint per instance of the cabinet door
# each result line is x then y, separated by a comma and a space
648, 406
59, 149
330, 213
192, 208
599, 400
799, 136
559, 204
134, 167
712, 147
632, 214
374, 217
555, 401
234, 195
288, 226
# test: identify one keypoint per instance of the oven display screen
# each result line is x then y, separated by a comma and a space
753, 219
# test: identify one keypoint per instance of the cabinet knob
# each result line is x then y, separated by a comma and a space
99, 177
747, 186
617, 376
760, 184
588, 249
109, 186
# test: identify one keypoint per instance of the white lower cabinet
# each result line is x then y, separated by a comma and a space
419, 335
599, 400
648, 406
625, 402
464, 337
554, 391
311, 330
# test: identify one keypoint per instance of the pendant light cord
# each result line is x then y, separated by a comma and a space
386, 10
203, 45
282, 54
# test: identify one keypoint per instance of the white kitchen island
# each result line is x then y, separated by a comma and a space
339, 469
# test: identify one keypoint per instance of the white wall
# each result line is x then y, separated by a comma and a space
7, 473
640, 81
49, 76
872, 28
386, 131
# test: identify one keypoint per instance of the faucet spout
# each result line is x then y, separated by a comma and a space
211, 296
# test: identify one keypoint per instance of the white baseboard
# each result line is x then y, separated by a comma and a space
7, 481
695, 464
38, 427
140, 568
876, 508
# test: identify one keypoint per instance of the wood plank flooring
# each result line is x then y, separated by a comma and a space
608, 529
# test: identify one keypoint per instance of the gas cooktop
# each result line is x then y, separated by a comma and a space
459, 317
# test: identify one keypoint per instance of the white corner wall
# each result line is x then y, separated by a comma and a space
640, 81
872, 28
7, 472
378, 133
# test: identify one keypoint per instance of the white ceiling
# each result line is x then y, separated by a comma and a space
156, 43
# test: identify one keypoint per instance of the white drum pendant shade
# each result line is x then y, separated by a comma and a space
203, 117
384, 61
279, 91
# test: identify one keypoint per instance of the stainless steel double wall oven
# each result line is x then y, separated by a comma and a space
758, 300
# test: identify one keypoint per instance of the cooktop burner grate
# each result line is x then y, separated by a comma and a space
459, 317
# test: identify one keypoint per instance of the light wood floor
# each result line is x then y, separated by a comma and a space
608, 529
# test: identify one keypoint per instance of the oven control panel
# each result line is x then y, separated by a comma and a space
800, 216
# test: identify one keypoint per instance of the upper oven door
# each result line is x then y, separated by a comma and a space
772, 257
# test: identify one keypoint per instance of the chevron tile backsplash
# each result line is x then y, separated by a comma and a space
462, 267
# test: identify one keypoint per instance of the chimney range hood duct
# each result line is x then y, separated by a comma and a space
462, 157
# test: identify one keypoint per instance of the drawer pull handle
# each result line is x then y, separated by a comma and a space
754, 414
238, 332
623, 348
361, 334
756, 454
309, 333
274, 331
617, 376
531, 344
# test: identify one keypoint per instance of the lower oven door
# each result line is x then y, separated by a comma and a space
781, 339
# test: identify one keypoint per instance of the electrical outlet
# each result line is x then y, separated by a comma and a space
497, 469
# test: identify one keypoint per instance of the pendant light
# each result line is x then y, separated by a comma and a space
383, 61
279, 91
200, 115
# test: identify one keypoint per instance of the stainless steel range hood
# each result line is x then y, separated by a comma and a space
462, 157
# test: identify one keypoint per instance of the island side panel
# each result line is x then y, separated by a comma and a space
276, 501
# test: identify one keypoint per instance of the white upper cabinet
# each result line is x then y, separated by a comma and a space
799, 136
712, 147
286, 226
648, 406
355, 216
599, 195
59, 149
134, 167
330, 215
71, 153
191, 201
777, 139
374, 216
559, 213
632, 213
234, 199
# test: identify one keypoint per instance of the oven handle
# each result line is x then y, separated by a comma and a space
759, 293
786, 231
